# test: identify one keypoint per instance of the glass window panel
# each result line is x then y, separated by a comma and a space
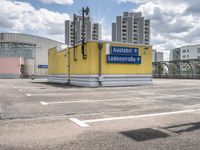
2, 52
10, 45
16, 49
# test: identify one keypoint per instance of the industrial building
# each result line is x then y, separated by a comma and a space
157, 56
185, 52
23, 55
74, 30
189, 52
101, 63
132, 27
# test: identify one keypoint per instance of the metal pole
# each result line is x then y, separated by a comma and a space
69, 73
74, 36
100, 46
83, 32
34, 60
34, 56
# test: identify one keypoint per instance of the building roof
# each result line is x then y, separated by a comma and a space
13, 35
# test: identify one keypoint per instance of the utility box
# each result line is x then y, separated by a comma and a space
101, 63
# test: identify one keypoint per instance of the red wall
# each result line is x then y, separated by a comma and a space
10, 65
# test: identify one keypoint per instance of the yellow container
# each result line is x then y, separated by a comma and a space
115, 64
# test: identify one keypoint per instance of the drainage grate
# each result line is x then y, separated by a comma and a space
144, 134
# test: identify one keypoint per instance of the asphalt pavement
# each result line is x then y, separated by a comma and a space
38, 115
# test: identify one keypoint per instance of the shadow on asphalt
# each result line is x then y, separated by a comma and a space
150, 134
65, 86
184, 127
144, 134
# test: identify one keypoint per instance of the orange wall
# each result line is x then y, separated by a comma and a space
10, 65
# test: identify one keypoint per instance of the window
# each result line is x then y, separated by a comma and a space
16, 49
187, 56
6, 45
1, 45
10, 45
198, 50
184, 56
184, 51
188, 50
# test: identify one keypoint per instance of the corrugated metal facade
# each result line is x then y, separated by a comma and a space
40, 52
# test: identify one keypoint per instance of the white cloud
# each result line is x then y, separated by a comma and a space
106, 32
133, 1
174, 23
105, 35
68, 2
23, 17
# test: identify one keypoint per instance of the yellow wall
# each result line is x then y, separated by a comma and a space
80, 65
90, 65
51, 61
58, 61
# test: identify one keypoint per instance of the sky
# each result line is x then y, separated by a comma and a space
174, 23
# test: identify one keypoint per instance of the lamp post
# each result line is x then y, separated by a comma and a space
85, 11
74, 35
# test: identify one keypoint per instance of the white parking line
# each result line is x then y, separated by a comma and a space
93, 93
117, 99
167, 96
28, 94
20, 90
132, 117
177, 89
44, 103
138, 116
87, 101
85, 93
148, 92
80, 123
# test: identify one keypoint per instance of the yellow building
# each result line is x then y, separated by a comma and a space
101, 63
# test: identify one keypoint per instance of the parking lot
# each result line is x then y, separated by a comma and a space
37, 115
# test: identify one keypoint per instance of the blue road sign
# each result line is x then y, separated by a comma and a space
42, 66
124, 50
123, 59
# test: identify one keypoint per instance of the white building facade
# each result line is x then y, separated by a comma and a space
186, 53
32, 49
132, 27
190, 52
157, 56
92, 30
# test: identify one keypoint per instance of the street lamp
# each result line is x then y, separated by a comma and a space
74, 35
85, 11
